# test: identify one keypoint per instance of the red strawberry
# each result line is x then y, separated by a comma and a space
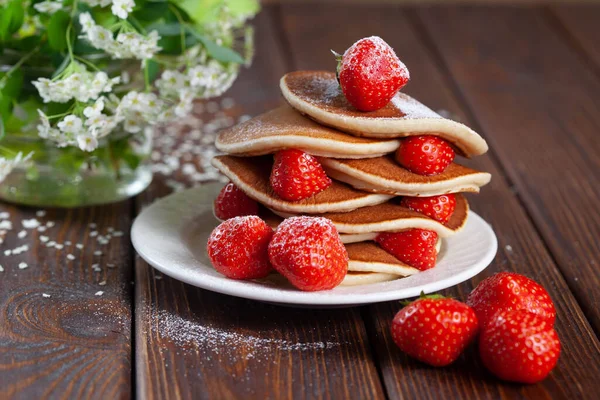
439, 208
370, 73
434, 329
238, 248
519, 346
425, 155
510, 291
232, 202
415, 247
308, 251
297, 175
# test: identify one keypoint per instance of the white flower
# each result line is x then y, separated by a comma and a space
122, 8
126, 45
132, 125
70, 124
87, 142
186, 103
7, 165
86, 21
48, 7
95, 110
171, 82
82, 86
44, 127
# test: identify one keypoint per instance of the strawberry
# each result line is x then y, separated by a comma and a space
370, 74
308, 251
510, 291
519, 346
425, 155
434, 329
232, 202
439, 208
415, 247
297, 175
238, 248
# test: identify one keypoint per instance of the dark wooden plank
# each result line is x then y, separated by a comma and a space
520, 247
581, 27
539, 106
65, 329
192, 343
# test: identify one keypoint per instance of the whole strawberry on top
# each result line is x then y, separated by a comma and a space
370, 73
511, 291
434, 329
519, 346
297, 175
308, 251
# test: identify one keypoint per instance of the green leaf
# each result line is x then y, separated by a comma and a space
57, 30
151, 12
170, 29
63, 65
11, 19
2, 133
13, 83
219, 53
153, 69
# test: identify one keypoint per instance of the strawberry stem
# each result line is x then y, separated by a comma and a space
422, 296
338, 58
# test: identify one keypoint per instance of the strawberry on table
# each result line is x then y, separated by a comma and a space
511, 291
439, 208
434, 329
238, 248
415, 247
425, 155
297, 175
370, 74
308, 251
519, 346
232, 202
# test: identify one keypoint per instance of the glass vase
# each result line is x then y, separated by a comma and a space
69, 177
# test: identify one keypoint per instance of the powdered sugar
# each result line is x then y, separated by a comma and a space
411, 108
186, 333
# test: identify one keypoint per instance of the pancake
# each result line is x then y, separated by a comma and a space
369, 257
392, 217
356, 278
385, 175
251, 175
318, 95
285, 128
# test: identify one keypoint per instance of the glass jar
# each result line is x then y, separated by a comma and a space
69, 177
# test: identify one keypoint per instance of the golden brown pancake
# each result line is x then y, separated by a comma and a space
385, 175
357, 278
318, 95
369, 257
391, 217
285, 128
251, 175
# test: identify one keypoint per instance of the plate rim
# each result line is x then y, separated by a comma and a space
324, 298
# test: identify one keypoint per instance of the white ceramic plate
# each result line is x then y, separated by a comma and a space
171, 235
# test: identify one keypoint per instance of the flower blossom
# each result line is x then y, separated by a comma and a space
48, 7
7, 165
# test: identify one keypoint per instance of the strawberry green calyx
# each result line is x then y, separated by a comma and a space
424, 296
338, 58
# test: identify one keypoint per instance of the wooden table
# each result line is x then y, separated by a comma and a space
528, 79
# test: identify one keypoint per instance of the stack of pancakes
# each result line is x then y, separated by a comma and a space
356, 150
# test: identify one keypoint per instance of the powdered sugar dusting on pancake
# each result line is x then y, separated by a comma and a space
411, 108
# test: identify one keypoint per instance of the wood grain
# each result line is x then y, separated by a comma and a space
192, 343
580, 24
520, 248
58, 339
539, 106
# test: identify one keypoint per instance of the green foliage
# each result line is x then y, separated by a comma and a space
219, 53
11, 19
57, 30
